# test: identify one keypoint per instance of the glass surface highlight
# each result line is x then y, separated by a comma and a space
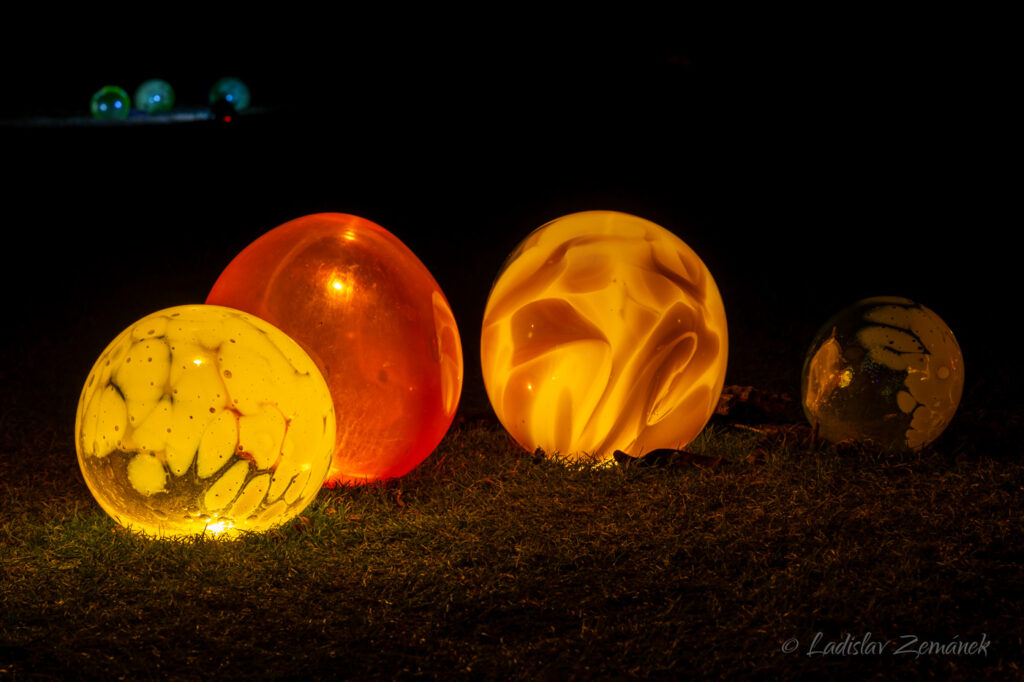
886, 371
203, 419
604, 332
375, 321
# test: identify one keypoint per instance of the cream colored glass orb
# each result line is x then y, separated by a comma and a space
204, 419
884, 370
604, 332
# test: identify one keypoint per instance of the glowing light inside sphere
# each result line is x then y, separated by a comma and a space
154, 96
604, 332
375, 321
202, 419
884, 370
110, 103
231, 91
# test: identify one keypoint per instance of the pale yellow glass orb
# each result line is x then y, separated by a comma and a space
204, 419
603, 332
886, 371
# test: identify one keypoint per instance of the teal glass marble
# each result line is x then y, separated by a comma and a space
231, 91
110, 102
154, 96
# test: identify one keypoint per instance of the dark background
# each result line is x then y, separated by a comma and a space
808, 169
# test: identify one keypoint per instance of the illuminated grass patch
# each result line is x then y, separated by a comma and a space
489, 562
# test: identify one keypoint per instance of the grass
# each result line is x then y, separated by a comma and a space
490, 563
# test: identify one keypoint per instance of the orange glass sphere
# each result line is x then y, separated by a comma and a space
603, 332
374, 320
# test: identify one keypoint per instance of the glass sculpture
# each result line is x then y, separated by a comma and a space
375, 321
603, 331
202, 419
885, 370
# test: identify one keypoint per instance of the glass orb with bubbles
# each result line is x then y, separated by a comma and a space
886, 371
200, 419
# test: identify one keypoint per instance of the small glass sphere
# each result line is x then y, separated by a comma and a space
203, 419
231, 91
604, 332
110, 102
154, 96
886, 371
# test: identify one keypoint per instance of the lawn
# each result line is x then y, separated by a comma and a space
489, 562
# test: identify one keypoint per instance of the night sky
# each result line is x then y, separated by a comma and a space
807, 174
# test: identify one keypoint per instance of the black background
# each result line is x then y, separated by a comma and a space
808, 168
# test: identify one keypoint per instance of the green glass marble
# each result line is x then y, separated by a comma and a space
154, 96
231, 91
110, 102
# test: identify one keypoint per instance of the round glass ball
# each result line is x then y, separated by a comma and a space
603, 331
110, 103
886, 371
154, 96
375, 321
231, 91
203, 419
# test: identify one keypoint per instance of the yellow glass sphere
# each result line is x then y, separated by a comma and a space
200, 419
884, 370
603, 332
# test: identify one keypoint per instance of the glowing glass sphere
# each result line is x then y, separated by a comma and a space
375, 321
884, 370
231, 91
110, 102
604, 332
204, 419
154, 96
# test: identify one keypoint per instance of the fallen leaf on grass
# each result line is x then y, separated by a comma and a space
667, 457
758, 456
302, 523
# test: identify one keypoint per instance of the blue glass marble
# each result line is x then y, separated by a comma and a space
230, 91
